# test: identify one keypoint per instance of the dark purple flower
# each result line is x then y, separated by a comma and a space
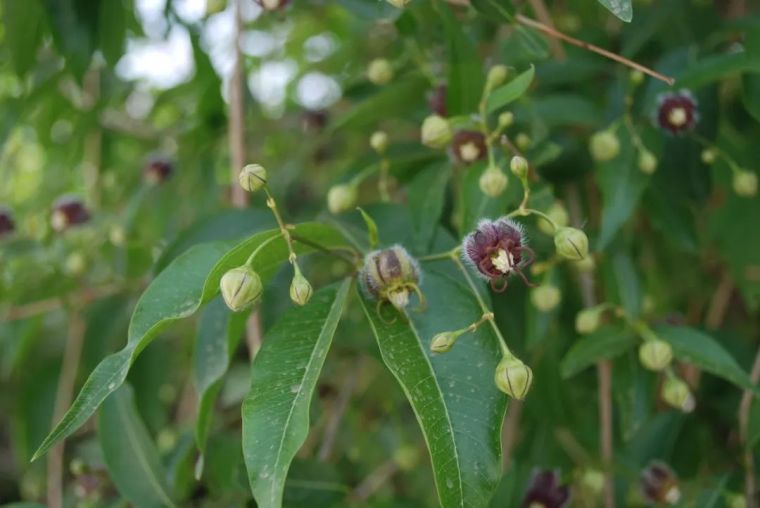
68, 211
545, 491
497, 249
659, 483
676, 112
314, 120
7, 225
469, 146
158, 170
437, 101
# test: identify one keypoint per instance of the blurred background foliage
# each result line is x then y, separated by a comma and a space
92, 91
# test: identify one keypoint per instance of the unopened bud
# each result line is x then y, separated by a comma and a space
745, 183
75, 264
604, 146
496, 76
655, 354
676, 393
636, 77
736, 501
443, 342
519, 167
390, 275
513, 377
117, 235
252, 177
406, 457
708, 156
241, 287
556, 213
7, 224
647, 162
493, 181
571, 243
380, 71
592, 481
399, 4
341, 198
587, 321
506, 119
523, 141
300, 289
659, 484
436, 132
379, 142
77, 467
545, 297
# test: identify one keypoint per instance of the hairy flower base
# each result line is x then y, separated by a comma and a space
391, 275
676, 112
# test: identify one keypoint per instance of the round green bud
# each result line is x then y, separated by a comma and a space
736, 501
77, 467
519, 167
406, 457
587, 321
558, 214
75, 264
117, 235
380, 71
592, 481
493, 182
655, 354
252, 177
708, 156
241, 287
513, 377
647, 162
545, 297
506, 119
399, 4
636, 77
379, 142
341, 198
745, 183
497, 75
436, 132
571, 243
443, 342
523, 141
604, 146
300, 289
676, 393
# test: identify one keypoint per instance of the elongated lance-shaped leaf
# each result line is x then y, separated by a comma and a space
130, 455
453, 395
512, 91
219, 331
284, 375
188, 282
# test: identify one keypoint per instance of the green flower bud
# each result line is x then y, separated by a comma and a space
341, 198
604, 146
391, 275
241, 287
677, 394
636, 77
493, 181
655, 354
558, 214
736, 501
545, 297
745, 183
379, 142
708, 156
519, 167
75, 264
496, 76
444, 341
506, 119
77, 467
513, 377
592, 481
117, 235
571, 243
647, 162
380, 71
406, 457
587, 321
585, 265
399, 4
252, 177
300, 289
436, 132
523, 141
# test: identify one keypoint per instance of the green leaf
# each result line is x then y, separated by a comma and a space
74, 26
372, 236
453, 395
603, 344
493, 10
751, 95
716, 67
219, 331
512, 91
700, 349
283, 378
22, 22
112, 29
620, 8
427, 194
465, 78
129, 453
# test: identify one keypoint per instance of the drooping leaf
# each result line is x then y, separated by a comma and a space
129, 452
620, 8
283, 378
427, 194
465, 73
112, 29
453, 395
23, 30
512, 91
605, 343
717, 67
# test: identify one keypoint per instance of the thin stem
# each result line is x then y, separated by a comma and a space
440, 255
363, 174
272, 204
552, 32
263, 244
732, 164
744, 414
382, 183
333, 252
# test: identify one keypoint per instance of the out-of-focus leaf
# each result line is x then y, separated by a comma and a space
427, 193
465, 73
700, 349
563, 109
371, 9
283, 378
493, 10
373, 238
75, 26
22, 22
453, 395
129, 453
315, 484
112, 29
716, 67
620, 8
623, 282
510, 92
751, 94
605, 343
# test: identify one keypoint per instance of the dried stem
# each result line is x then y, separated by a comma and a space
542, 13
375, 480
744, 413
44, 306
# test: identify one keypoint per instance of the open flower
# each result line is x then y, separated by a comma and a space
546, 491
68, 211
676, 112
7, 225
391, 275
659, 484
469, 146
497, 249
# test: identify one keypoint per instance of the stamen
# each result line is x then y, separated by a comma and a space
677, 117
503, 261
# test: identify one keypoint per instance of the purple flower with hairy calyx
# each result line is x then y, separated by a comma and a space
545, 491
497, 249
659, 483
676, 112
7, 225
69, 211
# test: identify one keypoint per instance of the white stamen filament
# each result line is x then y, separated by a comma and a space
677, 117
503, 261
469, 152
